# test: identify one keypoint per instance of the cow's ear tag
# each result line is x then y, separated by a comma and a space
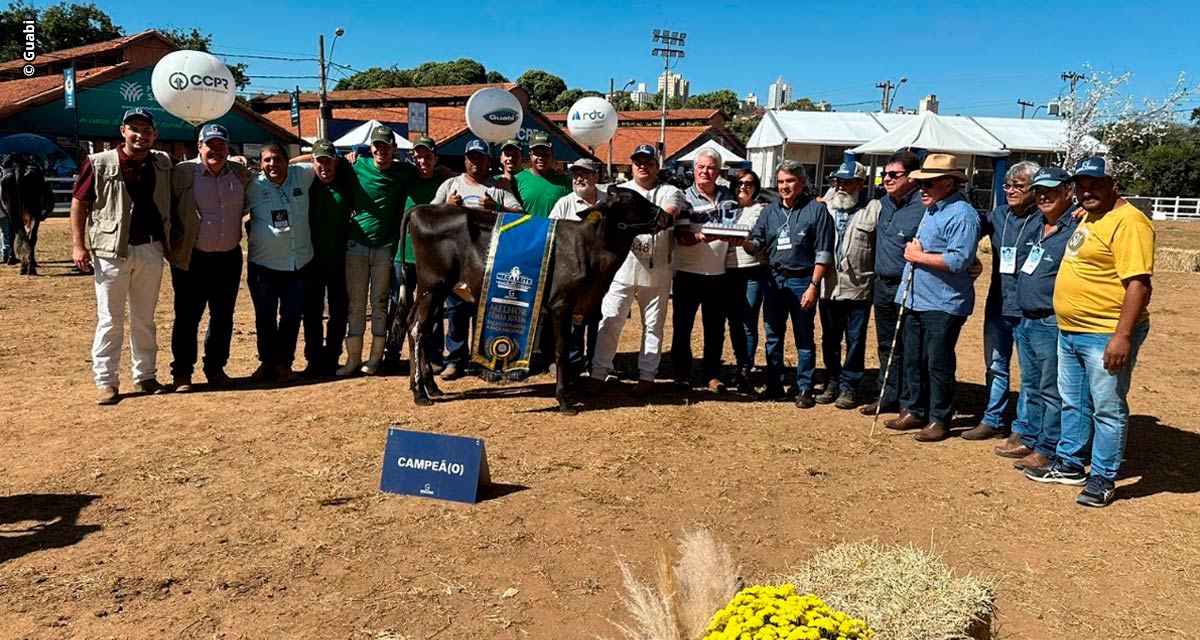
595, 217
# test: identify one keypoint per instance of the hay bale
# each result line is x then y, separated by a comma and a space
1167, 259
903, 593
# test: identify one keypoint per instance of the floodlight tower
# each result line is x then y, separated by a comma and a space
672, 43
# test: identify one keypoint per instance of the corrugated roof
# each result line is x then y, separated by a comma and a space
628, 138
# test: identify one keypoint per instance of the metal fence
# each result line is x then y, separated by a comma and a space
62, 194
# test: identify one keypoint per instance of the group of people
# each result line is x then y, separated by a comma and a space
1069, 288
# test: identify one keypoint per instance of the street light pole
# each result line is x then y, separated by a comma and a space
323, 104
1024, 104
612, 84
672, 47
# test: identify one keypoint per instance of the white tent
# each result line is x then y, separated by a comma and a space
930, 131
361, 135
727, 156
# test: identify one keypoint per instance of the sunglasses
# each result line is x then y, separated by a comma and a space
925, 184
893, 175
1019, 188
746, 184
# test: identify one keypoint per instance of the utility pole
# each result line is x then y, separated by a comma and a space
887, 87
321, 103
1073, 78
672, 47
1024, 104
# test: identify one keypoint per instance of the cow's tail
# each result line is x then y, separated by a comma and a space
400, 308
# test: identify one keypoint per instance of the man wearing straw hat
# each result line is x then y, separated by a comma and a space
939, 297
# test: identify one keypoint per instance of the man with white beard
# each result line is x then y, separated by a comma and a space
846, 291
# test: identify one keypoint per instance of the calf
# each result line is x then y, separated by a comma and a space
26, 197
450, 246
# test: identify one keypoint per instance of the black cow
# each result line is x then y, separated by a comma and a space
27, 198
450, 245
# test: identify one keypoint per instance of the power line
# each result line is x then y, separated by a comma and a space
243, 55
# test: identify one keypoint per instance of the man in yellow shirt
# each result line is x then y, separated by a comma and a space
1100, 298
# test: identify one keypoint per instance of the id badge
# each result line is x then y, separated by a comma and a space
1008, 260
1031, 263
279, 219
784, 243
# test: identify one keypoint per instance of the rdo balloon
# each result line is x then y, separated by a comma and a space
193, 86
494, 115
592, 121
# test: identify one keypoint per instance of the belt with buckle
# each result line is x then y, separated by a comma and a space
143, 239
1038, 315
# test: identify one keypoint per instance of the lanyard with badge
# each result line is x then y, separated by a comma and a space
279, 217
1008, 254
1035, 254
784, 242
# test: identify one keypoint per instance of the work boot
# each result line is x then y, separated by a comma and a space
1032, 460
983, 432
805, 400
828, 395
847, 400
453, 371
642, 389
149, 386
107, 395
905, 422
869, 409
354, 347
182, 384
742, 381
371, 367
1014, 448
935, 432
218, 379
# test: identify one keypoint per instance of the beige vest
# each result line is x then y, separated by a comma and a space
108, 227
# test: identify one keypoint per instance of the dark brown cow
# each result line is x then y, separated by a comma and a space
450, 245
26, 197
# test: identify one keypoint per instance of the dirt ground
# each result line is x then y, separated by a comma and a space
256, 513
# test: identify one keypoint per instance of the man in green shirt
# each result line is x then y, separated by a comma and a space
541, 185
421, 190
330, 205
378, 205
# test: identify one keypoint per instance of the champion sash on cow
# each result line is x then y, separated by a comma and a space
514, 281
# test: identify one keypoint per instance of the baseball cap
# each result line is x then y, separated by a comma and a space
850, 170
477, 145
539, 139
138, 112
427, 142
382, 134
647, 149
1050, 177
586, 164
323, 149
511, 142
1092, 167
210, 131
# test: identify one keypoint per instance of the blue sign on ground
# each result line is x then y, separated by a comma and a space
433, 465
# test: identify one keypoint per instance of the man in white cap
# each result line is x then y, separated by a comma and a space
645, 276
847, 289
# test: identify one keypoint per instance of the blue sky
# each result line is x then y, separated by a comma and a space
978, 57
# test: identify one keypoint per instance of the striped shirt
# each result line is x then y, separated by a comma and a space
949, 228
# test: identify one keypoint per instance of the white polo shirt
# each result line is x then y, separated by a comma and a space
569, 206
649, 261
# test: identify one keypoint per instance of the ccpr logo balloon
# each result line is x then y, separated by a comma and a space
494, 115
193, 86
592, 121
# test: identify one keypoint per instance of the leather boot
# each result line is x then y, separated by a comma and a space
354, 348
371, 367
905, 422
1013, 448
935, 432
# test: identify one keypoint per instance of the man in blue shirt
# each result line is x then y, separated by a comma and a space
1004, 226
280, 250
796, 234
940, 297
899, 215
1039, 253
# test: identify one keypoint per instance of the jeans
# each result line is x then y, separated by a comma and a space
1093, 400
6, 248
694, 293
844, 319
407, 272
278, 298
886, 314
1037, 355
211, 280
998, 336
368, 277
781, 302
745, 284
134, 280
930, 364
460, 316
323, 342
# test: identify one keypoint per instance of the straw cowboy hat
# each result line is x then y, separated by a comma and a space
939, 165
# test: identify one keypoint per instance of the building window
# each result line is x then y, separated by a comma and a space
831, 159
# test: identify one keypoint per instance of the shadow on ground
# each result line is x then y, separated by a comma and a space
33, 522
1162, 457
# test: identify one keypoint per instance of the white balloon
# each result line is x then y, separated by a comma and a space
494, 115
592, 121
193, 86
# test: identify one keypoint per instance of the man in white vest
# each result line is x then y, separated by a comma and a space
120, 221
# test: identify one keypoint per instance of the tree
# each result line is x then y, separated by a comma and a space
544, 88
376, 78
723, 99
197, 41
803, 104
495, 77
656, 102
59, 26
427, 74
743, 128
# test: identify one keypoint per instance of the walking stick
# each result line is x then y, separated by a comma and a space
891, 354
